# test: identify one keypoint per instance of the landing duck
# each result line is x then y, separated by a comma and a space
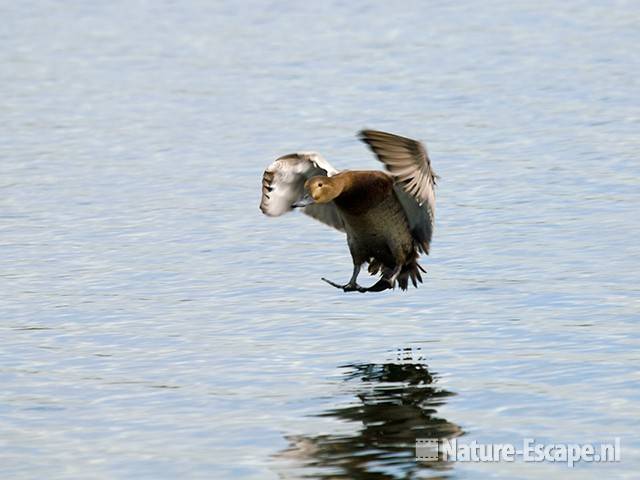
388, 216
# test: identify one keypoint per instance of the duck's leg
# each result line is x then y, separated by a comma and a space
394, 275
352, 286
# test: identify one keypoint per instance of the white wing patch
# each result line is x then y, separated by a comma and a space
283, 185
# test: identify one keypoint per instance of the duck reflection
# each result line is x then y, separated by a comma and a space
396, 403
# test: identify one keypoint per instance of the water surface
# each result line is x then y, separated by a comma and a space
156, 325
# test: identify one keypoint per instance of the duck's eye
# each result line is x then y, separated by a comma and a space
320, 184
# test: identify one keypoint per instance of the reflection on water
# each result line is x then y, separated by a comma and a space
134, 259
396, 403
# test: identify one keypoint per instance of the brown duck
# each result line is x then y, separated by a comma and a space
388, 217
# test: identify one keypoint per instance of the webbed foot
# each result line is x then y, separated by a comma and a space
380, 286
349, 287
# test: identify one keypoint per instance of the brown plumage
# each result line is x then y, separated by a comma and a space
388, 217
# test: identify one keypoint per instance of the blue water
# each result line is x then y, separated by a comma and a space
156, 325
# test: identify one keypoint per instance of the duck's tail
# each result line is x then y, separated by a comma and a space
410, 271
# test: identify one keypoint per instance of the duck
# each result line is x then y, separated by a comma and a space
388, 216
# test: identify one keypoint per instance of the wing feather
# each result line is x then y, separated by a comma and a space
283, 185
408, 162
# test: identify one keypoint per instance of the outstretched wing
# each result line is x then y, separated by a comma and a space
407, 161
283, 185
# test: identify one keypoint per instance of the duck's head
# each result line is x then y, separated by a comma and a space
319, 189
322, 189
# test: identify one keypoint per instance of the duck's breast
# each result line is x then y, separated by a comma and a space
381, 232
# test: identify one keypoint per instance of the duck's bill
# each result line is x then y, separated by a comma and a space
304, 201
